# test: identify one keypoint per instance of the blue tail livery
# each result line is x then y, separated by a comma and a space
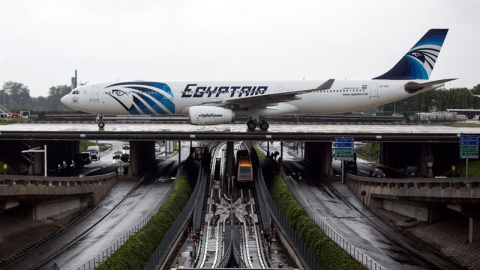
418, 63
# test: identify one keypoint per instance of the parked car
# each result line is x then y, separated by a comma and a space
126, 149
14, 115
82, 159
157, 147
94, 152
412, 171
125, 157
117, 155
377, 173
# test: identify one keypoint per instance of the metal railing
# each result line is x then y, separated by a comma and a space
304, 254
176, 227
356, 253
107, 252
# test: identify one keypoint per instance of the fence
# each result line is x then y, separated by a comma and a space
355, 252
106, 253
305, 255
177, 227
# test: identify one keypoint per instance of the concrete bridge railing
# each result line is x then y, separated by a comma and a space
424, 189
422, 198
25, 186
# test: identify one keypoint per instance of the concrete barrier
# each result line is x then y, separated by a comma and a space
424, 189
58, 194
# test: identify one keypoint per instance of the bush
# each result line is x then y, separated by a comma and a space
326, 252
136, 252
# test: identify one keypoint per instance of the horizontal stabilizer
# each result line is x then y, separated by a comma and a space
412, 87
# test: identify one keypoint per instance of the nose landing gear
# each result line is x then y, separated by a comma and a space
101, 124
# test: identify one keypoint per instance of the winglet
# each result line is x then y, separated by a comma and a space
326, 85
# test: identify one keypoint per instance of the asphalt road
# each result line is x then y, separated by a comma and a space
129, 212
342, 210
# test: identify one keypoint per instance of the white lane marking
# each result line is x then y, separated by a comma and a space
82, 175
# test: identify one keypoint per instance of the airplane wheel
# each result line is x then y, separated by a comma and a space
264, 125
101, 124
251, 125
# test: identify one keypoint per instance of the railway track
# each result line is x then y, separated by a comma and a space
231, 234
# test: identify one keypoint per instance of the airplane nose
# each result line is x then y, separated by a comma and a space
64, 100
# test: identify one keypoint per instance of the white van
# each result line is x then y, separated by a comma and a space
94, 152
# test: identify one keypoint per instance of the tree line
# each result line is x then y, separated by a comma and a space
16, 96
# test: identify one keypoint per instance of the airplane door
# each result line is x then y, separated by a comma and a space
373, 91
94, 94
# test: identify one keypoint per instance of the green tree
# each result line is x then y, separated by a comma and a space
54, 95
15, 95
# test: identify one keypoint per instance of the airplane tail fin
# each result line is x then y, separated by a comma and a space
419, 61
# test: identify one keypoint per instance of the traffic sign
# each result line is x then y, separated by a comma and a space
343, 148
468, 142
344, 151
469, 138
469, 146
339, 144
429, 161
343, 140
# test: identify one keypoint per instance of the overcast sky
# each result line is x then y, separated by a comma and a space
43, 42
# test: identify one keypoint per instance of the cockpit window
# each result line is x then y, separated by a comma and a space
76, 92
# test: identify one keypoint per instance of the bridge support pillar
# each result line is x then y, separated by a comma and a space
320, 155
473, 230
142, 156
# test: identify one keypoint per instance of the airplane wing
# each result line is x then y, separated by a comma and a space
412, 87
265, 100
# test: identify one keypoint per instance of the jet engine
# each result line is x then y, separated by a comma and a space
210, 115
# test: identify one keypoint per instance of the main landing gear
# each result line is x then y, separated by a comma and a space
101, 124
252, 124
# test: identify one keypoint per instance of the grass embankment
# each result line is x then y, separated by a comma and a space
473, 168
83, 145
462, 124
328, 254
17, 120
369, 152
136, 252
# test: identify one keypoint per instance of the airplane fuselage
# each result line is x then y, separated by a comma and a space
175, 97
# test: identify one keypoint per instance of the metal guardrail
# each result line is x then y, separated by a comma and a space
176, 227
356, 253
306, 257
107, 252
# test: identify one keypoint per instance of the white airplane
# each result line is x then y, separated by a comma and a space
219, 102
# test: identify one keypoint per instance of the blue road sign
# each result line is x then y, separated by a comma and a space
337, 144
344, 140
469, 138
469, 142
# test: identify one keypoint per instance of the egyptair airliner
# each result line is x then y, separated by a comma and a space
219, 102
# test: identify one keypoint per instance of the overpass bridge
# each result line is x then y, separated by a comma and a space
424, 199
49, 196
401, 145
